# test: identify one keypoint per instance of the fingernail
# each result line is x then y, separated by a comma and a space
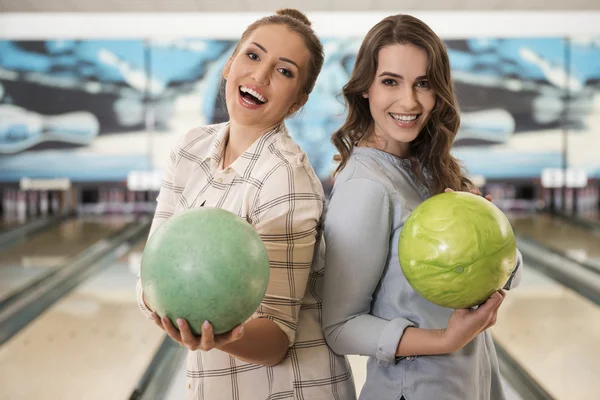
180, 322
206, 325
241, 331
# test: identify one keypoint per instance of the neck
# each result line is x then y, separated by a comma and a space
398, 149
241, 137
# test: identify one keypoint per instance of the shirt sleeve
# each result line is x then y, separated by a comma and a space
358, 225
517, 274
287, 215
165, 207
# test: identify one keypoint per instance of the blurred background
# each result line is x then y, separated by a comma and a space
93, 94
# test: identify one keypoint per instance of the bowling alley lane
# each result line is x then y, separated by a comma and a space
30, 260
8, 224
92, 344
592, 216
556, 233
552, 332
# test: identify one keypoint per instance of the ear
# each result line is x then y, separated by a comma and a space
227, 67
302, 99
365, 95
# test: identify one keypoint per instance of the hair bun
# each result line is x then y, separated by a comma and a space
291, 12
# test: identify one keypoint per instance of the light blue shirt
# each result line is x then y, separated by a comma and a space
368, 303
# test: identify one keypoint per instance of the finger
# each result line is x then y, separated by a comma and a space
187, 337
208, 339
499, 303
448, 190
500, 300
476, 191
157, 321
496, 306
238, 332
502, 293
170, 329
493, 319
233, 335
488, 197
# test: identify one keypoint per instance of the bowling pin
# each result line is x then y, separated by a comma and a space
494, 125
75, 127
7, 202
43, 203
67, 200
121, 200
555, 74
54, 202
139, 202
129, 202
21, 206
102, 200
559, 198
111, 201
19, 128
32, 203
569, 200
135, 77
130, 196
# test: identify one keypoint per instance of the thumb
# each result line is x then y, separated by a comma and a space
491, 303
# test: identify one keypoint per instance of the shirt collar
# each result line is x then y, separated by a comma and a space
245, 162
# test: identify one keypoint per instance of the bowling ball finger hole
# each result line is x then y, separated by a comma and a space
459, 269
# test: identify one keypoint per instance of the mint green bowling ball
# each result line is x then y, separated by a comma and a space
205, 264
456, 249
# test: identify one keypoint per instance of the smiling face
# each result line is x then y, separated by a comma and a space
400, 98
266, 77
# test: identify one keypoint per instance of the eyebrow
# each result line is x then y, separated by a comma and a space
281, 58
260, 47
394, 75
289, 61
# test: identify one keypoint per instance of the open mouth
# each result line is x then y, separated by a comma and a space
252, 96
405, 119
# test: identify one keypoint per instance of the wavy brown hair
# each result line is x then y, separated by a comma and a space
432, 145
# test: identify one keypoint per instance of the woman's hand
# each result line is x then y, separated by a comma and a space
465, 324
186, 338
474, 191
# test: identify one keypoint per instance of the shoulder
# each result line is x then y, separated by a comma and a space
200, 137
363, 171
286, 165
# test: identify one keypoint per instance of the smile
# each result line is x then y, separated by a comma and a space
405, 120
252, 95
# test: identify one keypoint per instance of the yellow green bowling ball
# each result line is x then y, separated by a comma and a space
456, 249
205, 264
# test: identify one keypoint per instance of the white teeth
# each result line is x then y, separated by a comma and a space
404, 118
254, 93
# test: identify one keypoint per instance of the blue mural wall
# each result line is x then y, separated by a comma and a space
78, 109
